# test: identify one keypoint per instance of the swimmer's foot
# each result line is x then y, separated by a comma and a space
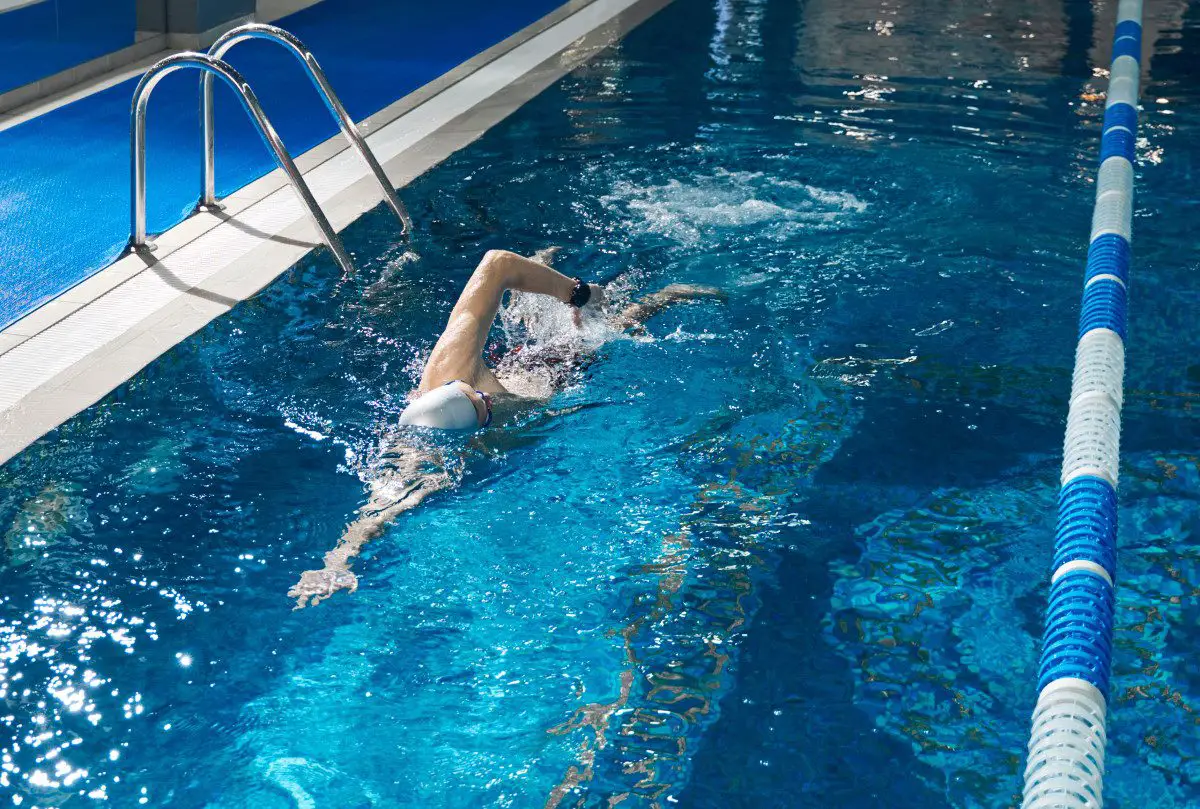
638, 313
546, 255
319, 585
689, 292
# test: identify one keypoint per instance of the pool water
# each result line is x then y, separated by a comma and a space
785, 550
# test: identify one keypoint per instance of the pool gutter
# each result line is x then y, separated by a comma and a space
68, 354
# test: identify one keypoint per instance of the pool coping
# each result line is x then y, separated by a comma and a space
72, 351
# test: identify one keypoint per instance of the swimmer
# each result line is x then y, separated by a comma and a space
458, 391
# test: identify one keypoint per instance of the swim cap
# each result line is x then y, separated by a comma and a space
444, 408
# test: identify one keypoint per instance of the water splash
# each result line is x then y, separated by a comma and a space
732, 202
548, 347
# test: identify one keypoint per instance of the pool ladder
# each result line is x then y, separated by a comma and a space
212, 65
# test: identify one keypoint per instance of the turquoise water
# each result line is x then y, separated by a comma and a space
785, 550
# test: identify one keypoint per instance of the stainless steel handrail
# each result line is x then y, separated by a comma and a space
290, 43
215, 67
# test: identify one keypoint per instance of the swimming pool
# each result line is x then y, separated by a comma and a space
788, 551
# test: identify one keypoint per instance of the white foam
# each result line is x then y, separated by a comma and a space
313, 434
732, 200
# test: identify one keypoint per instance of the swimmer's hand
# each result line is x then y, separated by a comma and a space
319, 585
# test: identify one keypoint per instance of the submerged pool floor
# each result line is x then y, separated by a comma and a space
787, 550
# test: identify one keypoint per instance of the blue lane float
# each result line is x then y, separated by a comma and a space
1104, 306
1065, 767
1087, 524
1108, 255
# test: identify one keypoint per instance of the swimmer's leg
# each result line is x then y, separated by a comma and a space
458, 352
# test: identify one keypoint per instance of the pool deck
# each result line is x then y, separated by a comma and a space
71, 352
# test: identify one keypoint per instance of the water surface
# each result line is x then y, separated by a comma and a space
787, 550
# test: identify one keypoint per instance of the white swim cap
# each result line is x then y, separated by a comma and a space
444, 408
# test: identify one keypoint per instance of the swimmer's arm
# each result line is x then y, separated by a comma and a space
457, 353
389, 499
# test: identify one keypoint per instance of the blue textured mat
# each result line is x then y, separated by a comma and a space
64, 177
45, 38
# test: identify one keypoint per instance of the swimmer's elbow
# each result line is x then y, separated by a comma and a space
497, 259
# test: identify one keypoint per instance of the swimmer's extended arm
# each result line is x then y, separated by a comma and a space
415, 476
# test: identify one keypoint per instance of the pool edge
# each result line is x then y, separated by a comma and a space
41, 390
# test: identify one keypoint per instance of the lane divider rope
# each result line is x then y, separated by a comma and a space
1065, 767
